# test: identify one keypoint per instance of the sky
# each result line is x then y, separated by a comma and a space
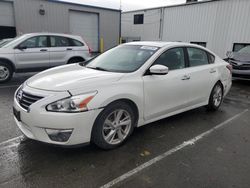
127, 4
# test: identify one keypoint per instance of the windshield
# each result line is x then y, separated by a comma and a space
13, 41
126, 58
4, 42
245, 50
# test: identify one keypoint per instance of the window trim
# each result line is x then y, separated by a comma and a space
138, 19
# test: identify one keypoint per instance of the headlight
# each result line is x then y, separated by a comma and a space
76, 103
19, 93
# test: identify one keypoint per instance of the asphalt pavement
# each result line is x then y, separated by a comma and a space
193, 149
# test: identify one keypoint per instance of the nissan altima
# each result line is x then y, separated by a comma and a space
103, 100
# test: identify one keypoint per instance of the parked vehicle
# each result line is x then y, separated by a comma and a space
240, 62
5, 41
128, 86
38, 51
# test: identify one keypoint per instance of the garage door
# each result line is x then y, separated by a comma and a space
7, 23
86, 25
6, 14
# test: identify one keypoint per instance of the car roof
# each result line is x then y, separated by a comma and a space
48, 33
161, 44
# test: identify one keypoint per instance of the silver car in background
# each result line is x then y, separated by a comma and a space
39, 51
5, 41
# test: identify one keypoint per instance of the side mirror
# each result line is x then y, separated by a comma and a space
158, 70
229, 54
21, 47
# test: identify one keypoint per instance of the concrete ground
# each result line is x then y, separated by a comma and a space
158, 154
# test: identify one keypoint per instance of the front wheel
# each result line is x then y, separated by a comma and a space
215, 98
6, 72
114, 125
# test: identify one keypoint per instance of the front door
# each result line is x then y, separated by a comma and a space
33, 53
164, 94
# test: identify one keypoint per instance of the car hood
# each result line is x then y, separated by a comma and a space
69, 77
5, 50
243, 57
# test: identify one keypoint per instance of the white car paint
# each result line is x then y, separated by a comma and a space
41, 57
156, 96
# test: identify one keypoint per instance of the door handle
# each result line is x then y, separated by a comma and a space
69, 49
185, 77
212, 71
43, 50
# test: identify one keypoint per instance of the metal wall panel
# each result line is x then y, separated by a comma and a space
150, 30
56, 19
219, 23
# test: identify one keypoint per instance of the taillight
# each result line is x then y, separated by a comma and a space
230, 68
90, 50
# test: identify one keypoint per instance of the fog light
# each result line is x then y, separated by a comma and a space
59, 135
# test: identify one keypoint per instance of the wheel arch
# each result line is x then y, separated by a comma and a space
76, 57
129, 101
9, 62
222, 86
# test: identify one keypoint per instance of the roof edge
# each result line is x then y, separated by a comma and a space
83, 5
170, 6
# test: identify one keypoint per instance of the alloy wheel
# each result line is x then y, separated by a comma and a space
4, 73
217, 96
117, 126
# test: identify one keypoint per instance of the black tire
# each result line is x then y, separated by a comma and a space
6, 68
97, 136
75, 60
212, 105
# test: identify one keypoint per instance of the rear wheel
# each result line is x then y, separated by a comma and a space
6, 72
114, 125
215, 98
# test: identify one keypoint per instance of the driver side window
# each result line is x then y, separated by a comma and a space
173, 59
35, 42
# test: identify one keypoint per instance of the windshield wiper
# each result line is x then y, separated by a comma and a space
98, 68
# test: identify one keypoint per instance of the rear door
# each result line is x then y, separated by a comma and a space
33, 53
203, 75
60, 50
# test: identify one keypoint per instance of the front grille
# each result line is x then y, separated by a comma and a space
26, 99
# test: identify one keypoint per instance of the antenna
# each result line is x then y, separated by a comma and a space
120, 4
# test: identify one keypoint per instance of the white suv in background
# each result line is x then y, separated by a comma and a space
38, 51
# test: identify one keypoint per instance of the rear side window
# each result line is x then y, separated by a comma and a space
57, 41
197, 57
211, 58
173, 59
76, 43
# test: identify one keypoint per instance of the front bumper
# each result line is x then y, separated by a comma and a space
34, 122
241, 74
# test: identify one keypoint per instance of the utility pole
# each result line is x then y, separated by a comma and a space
120, 4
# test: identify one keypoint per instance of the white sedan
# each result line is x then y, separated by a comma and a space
103, 100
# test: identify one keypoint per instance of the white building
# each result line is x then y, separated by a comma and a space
220, 25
